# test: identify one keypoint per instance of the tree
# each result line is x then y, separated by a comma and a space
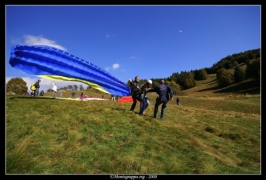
175, 87
235, 63
253, 69
81, 87
155, 83
70, 87
174, 77
17, 85
224, 77
75, 87
189, 83
200, 74
239, 74
251, 56
49, 90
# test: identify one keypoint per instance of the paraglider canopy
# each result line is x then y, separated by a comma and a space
52, 63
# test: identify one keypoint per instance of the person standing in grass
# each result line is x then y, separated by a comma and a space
37, 86
137, 94
112, 97
165, 93
41, 93
73, 95
61, 93
177, 101
54, 88
144, 88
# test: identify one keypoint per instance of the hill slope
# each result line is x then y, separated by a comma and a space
210, 87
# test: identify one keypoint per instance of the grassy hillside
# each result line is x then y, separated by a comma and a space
210, 87
213, 131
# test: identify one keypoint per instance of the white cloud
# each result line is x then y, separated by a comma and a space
115, 66
37, 40
109, 36
180, 31
133, 57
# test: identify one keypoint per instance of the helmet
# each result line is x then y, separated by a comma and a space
149, 81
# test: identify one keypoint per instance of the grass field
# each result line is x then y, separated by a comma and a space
209, 133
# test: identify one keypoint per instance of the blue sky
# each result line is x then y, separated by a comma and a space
150, 41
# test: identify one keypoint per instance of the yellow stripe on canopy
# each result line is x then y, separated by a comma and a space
62, 78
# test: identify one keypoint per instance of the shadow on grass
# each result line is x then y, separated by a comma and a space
211, 82
249, 87
209, 89
117, 109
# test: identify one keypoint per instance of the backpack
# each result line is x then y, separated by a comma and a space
32, 87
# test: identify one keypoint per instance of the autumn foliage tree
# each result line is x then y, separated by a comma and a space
239, 74
17, 85
253, 69
224, 77
175, 87
200, 74
189, 83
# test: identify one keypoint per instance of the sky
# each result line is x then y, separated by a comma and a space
149, 41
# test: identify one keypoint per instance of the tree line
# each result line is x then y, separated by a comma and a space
70, 87
250, 60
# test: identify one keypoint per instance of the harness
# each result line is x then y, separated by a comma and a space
135, 91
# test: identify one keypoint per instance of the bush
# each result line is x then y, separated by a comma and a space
224, 77
239, 74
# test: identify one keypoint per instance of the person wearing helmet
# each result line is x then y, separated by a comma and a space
144, 88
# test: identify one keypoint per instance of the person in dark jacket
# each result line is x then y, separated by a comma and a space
37, 86
165, 93
41, 93
177, 101
144, 87
137, 94
73, 95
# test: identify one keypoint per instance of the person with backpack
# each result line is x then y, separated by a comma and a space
137, 95
37, 86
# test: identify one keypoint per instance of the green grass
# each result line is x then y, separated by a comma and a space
204, 135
